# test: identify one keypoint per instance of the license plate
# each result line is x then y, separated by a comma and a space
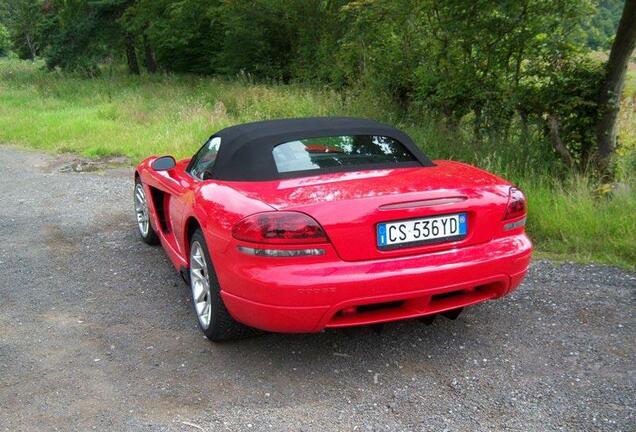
421, 231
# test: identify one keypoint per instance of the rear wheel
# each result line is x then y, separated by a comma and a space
147, 233
213, 318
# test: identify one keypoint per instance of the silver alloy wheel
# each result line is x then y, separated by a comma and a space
141, 209
200, 285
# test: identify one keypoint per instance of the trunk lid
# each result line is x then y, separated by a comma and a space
350, 205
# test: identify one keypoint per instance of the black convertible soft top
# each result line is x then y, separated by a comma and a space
245, 153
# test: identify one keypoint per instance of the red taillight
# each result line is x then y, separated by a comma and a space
279, 228
516, 204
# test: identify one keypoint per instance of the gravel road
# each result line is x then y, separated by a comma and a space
96, 332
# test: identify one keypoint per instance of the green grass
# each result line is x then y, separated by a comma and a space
572, 222
138, 116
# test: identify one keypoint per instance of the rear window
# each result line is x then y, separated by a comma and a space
355, 151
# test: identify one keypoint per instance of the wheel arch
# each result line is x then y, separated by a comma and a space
191, 225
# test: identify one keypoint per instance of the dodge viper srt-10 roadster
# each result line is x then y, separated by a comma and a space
300, 225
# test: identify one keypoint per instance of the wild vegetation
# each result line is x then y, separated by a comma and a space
571, 216
513, 87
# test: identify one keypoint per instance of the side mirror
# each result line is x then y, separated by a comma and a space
163, 163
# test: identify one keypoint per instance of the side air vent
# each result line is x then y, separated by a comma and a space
161, 201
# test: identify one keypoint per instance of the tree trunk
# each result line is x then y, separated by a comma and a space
612, 86
451, 123
31, 46
131, 55
151, 61
555, 138
477, 124
525, 130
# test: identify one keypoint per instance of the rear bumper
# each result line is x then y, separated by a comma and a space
311, 296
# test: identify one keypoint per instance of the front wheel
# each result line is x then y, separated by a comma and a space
147, 233
213, 318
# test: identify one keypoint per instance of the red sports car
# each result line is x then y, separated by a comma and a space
300, 225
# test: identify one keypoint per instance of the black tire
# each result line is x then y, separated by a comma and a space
150, 237
222, 326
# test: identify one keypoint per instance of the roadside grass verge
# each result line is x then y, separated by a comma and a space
572, 221
116, 114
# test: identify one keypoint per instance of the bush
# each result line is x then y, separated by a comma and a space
5, 41
568, 93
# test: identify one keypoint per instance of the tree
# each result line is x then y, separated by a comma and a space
561, 95
600, 28
5, 41
131, 54
24, 22
176, 35
463, 59
612, 85
82, 34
